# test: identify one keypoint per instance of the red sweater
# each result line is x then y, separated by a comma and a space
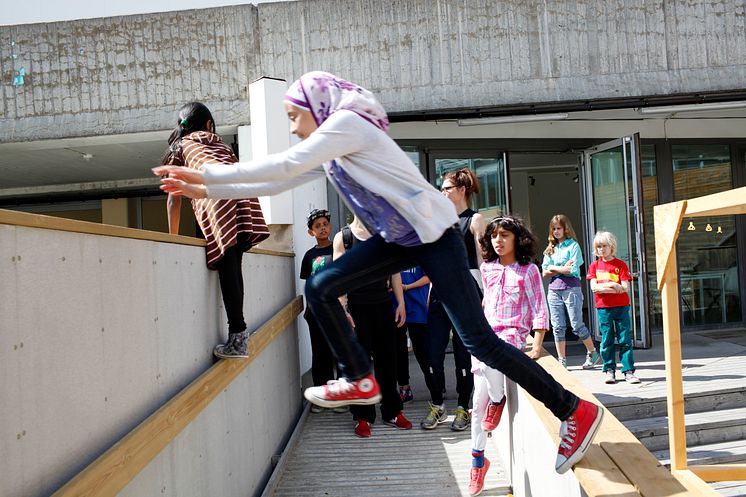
614, 270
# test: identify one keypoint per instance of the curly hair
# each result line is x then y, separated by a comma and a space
464, 177
563, 221
525, 241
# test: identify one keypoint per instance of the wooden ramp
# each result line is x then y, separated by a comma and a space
325, 458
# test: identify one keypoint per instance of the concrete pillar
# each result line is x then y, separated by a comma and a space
115, 211
270, 134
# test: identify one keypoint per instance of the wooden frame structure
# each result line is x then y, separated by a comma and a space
668, 219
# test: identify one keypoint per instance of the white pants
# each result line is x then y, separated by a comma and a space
489, 385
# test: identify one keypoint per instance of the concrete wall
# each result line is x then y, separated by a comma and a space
528, 451
97, 332
126, 74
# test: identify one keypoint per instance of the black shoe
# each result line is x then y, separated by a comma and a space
236, 347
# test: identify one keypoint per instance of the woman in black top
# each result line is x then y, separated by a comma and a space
458, 187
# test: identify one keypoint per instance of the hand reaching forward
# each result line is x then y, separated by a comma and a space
181, 181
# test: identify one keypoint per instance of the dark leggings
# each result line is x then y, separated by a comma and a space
376, 331
439, 331
231, 286
322, 359
418, 335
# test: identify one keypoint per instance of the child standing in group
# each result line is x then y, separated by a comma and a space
562, 261
609, 277
342, 128
230, 227
514, 305
315, 260
416, 288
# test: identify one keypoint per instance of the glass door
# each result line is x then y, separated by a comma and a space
612, 187
489, 166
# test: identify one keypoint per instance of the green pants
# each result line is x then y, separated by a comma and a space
615, 326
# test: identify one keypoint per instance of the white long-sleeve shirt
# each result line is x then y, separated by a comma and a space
366, 153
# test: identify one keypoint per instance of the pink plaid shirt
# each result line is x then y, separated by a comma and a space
514, 302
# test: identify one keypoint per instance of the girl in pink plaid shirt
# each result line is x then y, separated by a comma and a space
514, 304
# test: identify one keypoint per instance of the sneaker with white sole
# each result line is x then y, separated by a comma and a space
435, 416
591, 359
400, 422
462, 419
630, 377
343, 392
576, 434
563, 361
610, 377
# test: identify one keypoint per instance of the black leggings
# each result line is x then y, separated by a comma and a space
231, 286
418, 335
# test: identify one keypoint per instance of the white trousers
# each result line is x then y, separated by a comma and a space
489, 385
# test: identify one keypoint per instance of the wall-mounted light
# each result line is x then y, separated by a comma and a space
672, 109
513, 119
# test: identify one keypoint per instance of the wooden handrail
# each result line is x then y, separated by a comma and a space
617, 463
114, 469
30, 220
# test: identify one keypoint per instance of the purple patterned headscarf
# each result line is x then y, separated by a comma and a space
323, 93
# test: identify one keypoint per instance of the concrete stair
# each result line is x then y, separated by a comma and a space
715, 429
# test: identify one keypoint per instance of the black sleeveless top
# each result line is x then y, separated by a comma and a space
372, 293
464, 222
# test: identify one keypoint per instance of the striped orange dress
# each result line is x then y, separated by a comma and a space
223, 222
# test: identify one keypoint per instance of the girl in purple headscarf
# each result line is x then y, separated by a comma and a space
342, 128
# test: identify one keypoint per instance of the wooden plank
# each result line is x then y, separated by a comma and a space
674, 375
114, 469
667, 220
720, 472
717, 204
688, 478
616, 458
72, 225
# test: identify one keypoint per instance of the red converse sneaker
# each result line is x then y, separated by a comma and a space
476, 478
493, 415
576, 434
341, 392
362, 429
399, 422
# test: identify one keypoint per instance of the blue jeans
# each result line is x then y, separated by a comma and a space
445, 262
572, 300
615, 326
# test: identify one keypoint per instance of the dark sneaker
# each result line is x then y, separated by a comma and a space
476, 478
435, 416
591, 359
316, 409
399, 422
362, 429
493, 415
462, 419
236, 347
610, 377
576, 434
406, 394
563, 361
341, 409
341, 392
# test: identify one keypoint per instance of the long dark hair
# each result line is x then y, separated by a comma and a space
525, 241
194, 116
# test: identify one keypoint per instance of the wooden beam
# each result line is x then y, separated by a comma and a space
674, 377
113, 470
717, 204
691, 480
667, 219
720, 472
72, 225
616, 460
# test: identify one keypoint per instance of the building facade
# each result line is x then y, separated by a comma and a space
598, 110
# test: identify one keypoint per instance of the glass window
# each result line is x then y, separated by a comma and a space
707, 250
491, 176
